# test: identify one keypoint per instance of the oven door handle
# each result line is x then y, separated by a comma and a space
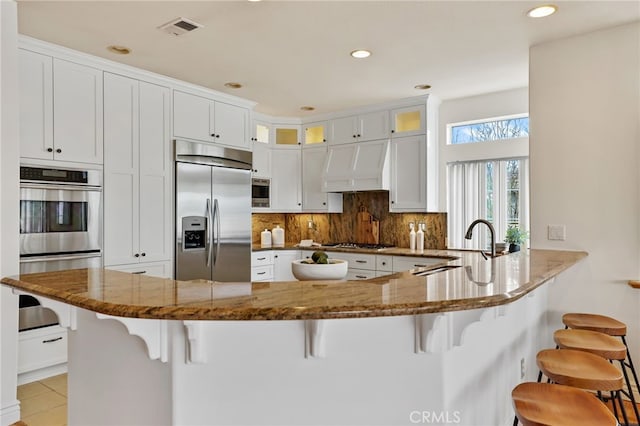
59, 257
60, 187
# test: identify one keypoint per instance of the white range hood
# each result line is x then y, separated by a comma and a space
360, 166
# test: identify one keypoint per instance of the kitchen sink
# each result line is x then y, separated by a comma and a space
435, 270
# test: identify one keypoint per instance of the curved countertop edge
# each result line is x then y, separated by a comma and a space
191, 313
447, 254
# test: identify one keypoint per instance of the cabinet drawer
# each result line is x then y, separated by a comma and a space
41, 348
357, 261
360, 274
402, 263
261, 258
384, 263
262, 273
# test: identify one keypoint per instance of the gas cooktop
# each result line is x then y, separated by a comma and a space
350, 245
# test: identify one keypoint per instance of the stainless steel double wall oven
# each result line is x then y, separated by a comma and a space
60, 219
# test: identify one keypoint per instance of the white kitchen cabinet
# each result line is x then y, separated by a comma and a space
314, 199
315, 134
384, 263
282, 264
262, 265
408, 121
36, 105
204, 119
153, 269
360, 274
286, 182
357, 167
359, 128
137, 173
286, 136
260, 132
408, 174
41, 348
261, 160
60, 110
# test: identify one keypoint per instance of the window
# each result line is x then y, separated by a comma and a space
492, 130
493, 190
490, 182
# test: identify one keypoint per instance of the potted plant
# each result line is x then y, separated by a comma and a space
515, 237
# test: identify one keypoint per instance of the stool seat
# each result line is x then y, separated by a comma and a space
579, 369
594, 342
593, 322
558, 405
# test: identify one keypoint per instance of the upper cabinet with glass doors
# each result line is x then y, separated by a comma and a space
315, 134
286, 136
408, 121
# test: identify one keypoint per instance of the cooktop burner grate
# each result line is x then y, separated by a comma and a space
359, 245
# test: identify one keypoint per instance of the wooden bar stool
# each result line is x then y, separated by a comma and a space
583, 370
550, 404
602, 345
606, 325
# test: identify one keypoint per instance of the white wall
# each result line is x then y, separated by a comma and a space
584, 157
9, 196
509, 102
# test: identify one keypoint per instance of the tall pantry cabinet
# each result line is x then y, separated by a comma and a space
137, 174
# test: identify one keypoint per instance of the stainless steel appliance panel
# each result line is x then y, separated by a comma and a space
59, 218
33, 264
231, 224
193, 199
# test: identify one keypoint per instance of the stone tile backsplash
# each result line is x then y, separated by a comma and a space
340, 227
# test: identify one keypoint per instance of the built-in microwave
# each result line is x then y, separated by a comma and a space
260, 192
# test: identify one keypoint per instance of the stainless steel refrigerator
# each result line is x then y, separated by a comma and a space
213, 212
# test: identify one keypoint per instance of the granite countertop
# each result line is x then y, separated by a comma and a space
461, 288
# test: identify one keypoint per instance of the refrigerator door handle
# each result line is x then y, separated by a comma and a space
209, 231
216, 221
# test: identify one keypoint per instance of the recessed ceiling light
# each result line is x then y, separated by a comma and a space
307, 108
542, 11
233, 85
119, 50
422, 86
360, 54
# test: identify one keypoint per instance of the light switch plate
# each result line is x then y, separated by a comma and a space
557, 232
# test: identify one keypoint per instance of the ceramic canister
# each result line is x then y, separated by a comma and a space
277, 236
265, 239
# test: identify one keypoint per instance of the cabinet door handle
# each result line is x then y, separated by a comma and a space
52, 340
354, 136
384, 263
262, 258
420, 266
393, 202
49, 149
213, 135
361, 261
217, 136
393, 131
58, 150
358, 134
324, 204
299, 204
143, 254
361, 276
275, 256
139, 272
324, 140
136, 255
261, 273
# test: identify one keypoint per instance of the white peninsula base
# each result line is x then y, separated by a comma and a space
444, 368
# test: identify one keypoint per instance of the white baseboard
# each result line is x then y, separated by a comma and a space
41, 373
10, 414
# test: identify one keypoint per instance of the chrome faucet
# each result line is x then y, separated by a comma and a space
469, 234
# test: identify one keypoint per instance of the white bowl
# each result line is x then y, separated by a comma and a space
336, 269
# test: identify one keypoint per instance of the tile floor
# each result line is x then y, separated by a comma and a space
44, 403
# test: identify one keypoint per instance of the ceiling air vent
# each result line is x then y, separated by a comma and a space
179, 26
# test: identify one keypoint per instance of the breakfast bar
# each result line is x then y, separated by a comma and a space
406, 348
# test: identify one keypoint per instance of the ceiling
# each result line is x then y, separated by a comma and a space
293, 53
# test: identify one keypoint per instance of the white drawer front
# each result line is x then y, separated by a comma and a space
261, 258
360, 274
357, 261
41, 348
402, 263
155, 269
262, 273
384, 263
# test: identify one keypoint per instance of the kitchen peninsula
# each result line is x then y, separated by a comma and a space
391, 350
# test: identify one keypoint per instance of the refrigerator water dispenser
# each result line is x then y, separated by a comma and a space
194, 230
